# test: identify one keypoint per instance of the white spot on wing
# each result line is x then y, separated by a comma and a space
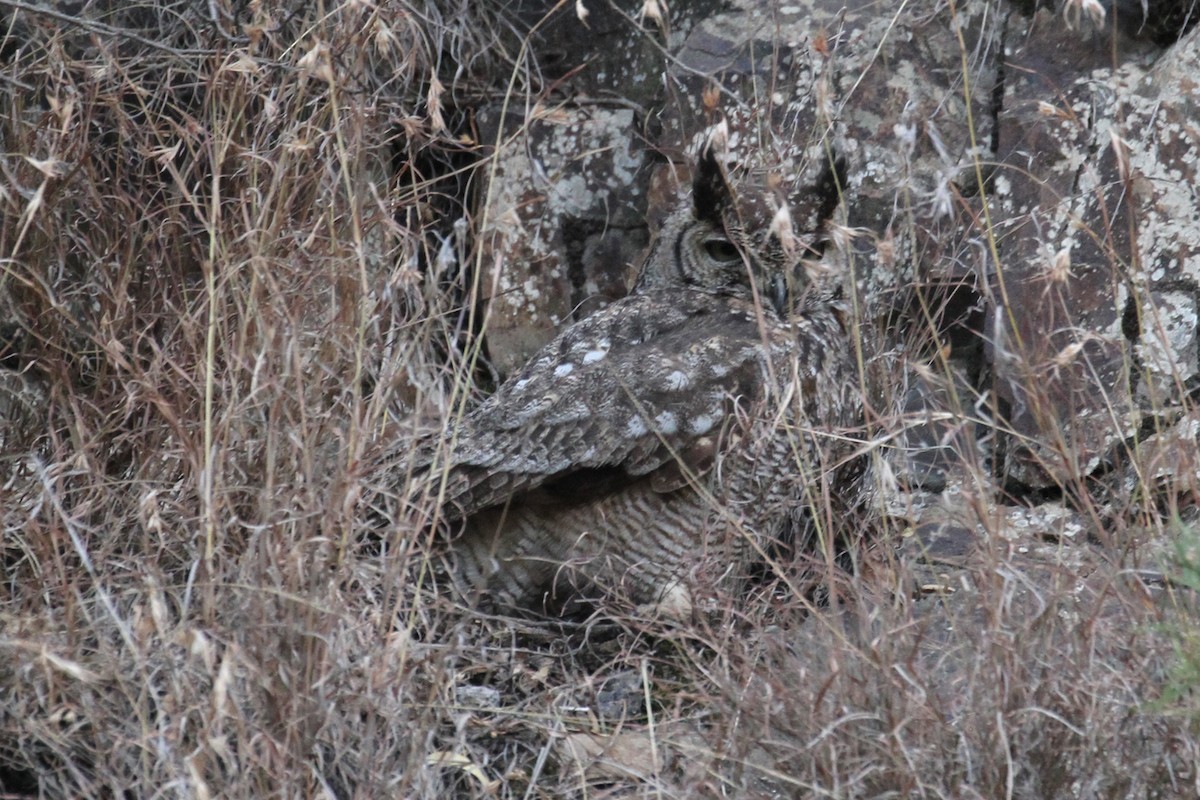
636, 427
563, 370
667, 423
678, 380
597, 351
701, 425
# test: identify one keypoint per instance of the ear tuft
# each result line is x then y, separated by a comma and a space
711, 193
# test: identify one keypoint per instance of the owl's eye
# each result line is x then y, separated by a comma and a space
721, 250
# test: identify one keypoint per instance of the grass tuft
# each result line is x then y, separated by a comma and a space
235, 257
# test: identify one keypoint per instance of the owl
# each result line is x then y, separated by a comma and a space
653, 447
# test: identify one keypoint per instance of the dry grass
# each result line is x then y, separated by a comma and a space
228, 252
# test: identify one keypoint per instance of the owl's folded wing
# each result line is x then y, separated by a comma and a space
642, 388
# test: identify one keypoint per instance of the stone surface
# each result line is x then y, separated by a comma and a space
561, 222
1092, 155
561, 226
1018, 198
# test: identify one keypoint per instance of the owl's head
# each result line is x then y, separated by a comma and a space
739, 243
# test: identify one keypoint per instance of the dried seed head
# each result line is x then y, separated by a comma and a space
655, 11
1121, 150
1074, 10
1060, 267
781, 229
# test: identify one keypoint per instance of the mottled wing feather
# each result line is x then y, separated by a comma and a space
575, 408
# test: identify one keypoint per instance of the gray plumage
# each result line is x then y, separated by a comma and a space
651, 446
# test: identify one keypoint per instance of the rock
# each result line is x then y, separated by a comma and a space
1160, 21
562, 216
1069, 307
1167, 464
480, 697
940, 429
1077, 198
641, 754
621, 696
562, 227
621, 755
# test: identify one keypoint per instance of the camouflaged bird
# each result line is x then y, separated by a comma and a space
653, 445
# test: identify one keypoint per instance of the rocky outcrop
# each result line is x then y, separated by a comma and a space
1019, 221
1093, 307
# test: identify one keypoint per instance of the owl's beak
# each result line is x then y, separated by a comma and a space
779, 295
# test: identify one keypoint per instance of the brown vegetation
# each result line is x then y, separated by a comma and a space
230, 250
